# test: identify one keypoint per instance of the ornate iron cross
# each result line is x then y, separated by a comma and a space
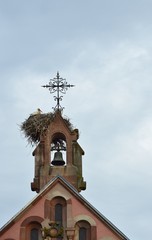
58, 85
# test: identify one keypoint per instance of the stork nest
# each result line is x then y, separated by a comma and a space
36, 125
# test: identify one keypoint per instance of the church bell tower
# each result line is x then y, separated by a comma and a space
58, 152
58, 211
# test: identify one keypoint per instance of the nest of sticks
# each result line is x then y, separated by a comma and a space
36, 125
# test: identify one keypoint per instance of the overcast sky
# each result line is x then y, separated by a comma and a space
104, 47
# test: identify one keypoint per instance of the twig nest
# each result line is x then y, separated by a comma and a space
36, 125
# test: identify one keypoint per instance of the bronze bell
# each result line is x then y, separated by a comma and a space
58, 159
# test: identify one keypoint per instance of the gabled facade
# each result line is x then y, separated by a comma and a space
58, 211
59, 200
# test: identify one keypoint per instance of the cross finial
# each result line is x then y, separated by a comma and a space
58, 85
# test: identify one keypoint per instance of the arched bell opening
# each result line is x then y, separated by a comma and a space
58, 150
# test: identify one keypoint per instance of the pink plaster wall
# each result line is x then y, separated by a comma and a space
102, 229
33, 210
78, 209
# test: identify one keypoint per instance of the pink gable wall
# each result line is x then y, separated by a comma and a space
80, 209
77, 211
33, 210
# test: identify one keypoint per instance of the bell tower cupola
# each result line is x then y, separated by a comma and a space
58, 152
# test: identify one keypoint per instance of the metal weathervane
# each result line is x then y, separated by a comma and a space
58, 85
